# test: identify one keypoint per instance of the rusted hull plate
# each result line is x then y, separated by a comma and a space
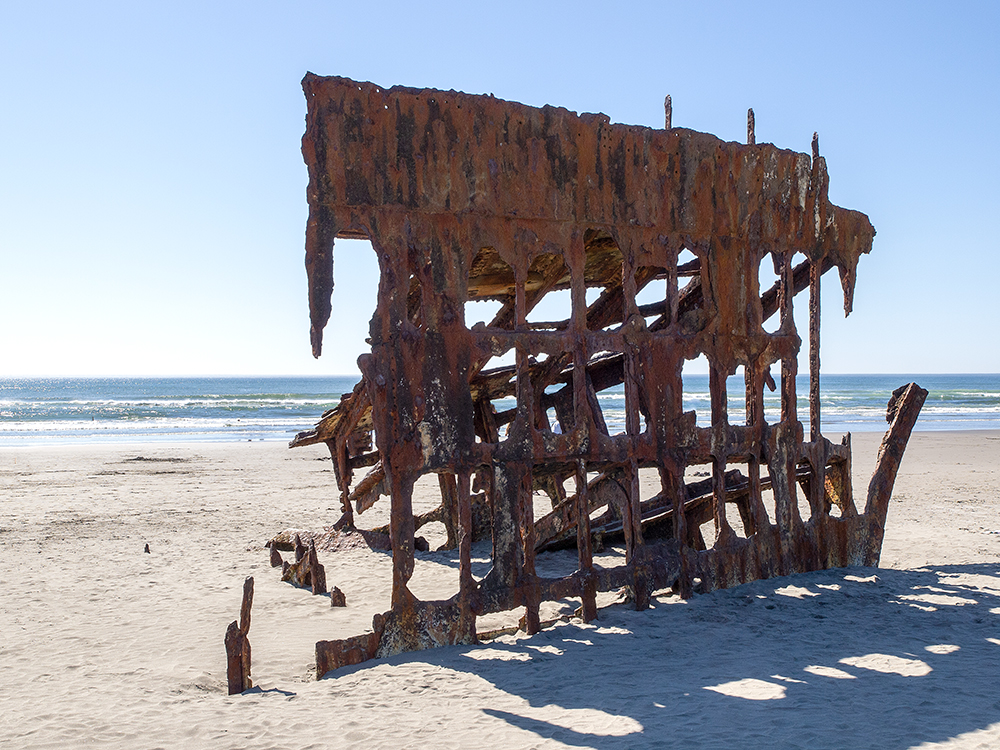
468, 198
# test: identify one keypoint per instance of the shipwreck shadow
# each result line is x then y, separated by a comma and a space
853, 657
258, 690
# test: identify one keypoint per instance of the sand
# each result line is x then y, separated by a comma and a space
102, 645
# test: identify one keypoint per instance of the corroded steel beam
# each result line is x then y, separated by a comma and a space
237, 644
468, 198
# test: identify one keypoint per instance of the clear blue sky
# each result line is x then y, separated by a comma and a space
152, 192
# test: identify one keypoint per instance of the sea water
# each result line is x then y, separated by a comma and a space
54, 411
51, 411
848, 403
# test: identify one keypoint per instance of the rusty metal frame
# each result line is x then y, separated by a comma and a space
471, 197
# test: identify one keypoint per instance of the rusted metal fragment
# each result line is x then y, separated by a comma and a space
331, 655
306, 571
423, 625
331, 539
902, 412
367, 492
287, 540
238, 645
653, 240
337, 598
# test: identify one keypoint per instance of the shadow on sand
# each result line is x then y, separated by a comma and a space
847, 658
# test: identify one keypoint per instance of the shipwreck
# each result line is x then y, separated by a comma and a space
654, 240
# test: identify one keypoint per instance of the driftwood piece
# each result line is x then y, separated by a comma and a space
238, 645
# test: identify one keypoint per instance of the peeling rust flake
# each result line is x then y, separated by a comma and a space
652, 241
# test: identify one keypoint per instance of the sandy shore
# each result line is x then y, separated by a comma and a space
103, 645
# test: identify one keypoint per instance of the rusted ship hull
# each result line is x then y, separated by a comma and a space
468, 198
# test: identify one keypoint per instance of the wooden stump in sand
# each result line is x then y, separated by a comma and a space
238, 645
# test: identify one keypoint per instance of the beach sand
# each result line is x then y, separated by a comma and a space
103, 645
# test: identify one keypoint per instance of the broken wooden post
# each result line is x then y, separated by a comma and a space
238, 645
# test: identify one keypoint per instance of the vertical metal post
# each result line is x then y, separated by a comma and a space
814, 401
815, 271
629, 309
720, 409
588, 595
673, 293
466, 582
755, 420
789, 365
401, 535
527, 521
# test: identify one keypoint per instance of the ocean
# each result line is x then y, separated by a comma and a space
58, 411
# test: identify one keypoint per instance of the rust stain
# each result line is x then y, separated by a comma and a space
468, 198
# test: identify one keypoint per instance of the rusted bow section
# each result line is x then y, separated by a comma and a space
652, 243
